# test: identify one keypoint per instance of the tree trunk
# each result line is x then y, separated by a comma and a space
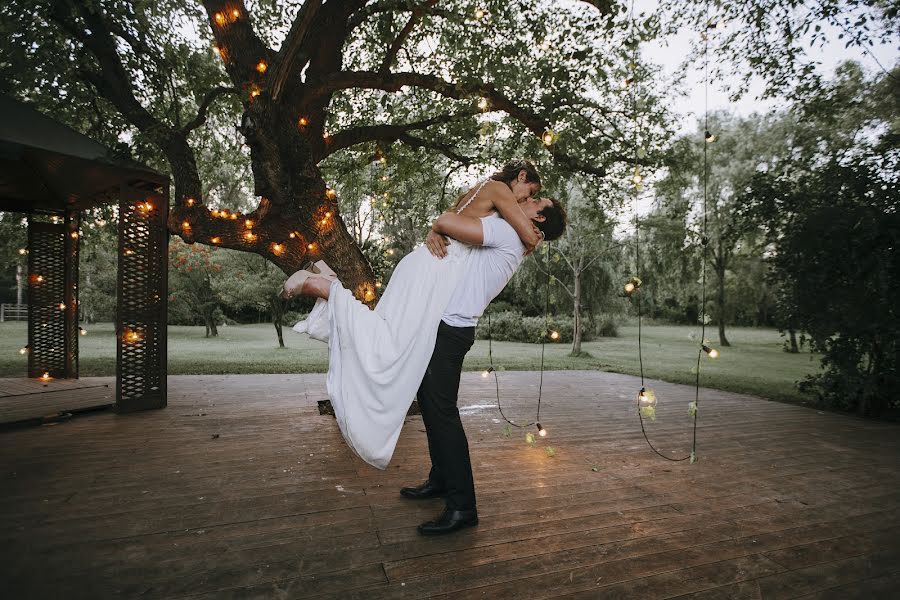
210, 322
576, 335
720, 298
794, 347
277, 313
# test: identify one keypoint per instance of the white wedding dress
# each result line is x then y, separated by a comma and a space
377, 358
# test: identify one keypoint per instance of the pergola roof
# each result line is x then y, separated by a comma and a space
46, 166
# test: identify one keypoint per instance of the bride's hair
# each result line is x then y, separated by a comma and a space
510, 171
508, 174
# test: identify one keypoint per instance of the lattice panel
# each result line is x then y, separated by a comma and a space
142, 300
72, 245
52, 300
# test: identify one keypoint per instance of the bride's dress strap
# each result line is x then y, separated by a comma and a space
469, 201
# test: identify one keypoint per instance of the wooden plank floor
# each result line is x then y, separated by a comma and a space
24, 399
239, 489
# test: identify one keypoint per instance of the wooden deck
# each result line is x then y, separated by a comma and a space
239, 489
25, 401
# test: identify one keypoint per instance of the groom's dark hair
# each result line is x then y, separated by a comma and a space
555, 221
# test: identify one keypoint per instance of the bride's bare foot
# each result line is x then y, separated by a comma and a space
306, 283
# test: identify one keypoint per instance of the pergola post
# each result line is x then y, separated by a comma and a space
53, 297
142, 299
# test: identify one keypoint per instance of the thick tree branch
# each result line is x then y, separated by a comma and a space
210, 97
241, 49
385, 133
445, 149
291, 51
391, 55
393, 82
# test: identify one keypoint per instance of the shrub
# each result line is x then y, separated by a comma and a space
511, 326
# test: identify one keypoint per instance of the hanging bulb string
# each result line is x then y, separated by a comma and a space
637, 245
491, 369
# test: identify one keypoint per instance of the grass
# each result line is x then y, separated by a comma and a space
755, 364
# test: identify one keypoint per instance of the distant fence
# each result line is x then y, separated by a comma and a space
13, 312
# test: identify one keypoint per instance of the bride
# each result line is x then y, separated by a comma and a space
377, 358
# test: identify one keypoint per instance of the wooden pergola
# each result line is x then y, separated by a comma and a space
52, 173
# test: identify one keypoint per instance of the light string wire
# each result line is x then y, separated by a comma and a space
537, 418
692, 456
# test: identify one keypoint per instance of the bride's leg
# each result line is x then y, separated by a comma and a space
318, 287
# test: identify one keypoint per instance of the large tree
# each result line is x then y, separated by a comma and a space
334, 76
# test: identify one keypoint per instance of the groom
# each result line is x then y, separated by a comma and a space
492, 265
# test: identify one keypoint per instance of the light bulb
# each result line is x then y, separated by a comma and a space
23, 350
303, 121
311, 247
220, 18
276, 248
185, 225
190, 201
62, 306
378, 284
554, 335
292, 235
483, 103
235, 13
262, 66
248, 223
328, 215
46, 376
479, 13
712, 352
548, 137
82, 331
331, 193
216, 240
710, 138
74, 235
629, 287
646, 398
23, 251
541, 431
487, 371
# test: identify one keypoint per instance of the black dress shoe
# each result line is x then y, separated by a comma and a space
423, 492
450, 521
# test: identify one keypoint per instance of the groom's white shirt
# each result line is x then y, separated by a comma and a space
490, 267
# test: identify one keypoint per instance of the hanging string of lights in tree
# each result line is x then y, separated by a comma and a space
546, 334
646, 398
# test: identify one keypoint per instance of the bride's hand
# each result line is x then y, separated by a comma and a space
437, 244
536, 246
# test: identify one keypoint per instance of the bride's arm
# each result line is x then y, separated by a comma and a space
509, 209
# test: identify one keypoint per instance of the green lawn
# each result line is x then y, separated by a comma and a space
754, 364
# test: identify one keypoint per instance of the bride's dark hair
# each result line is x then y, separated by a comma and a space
510, 171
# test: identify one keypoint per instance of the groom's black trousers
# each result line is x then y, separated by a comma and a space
451, 467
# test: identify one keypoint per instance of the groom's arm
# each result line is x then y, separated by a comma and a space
464, 229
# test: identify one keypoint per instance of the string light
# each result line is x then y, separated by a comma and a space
132, 336
302, 121
23, 251
61, 306
235, 13
541, 431
129, 252
637, 179
216, 240
712, 352
262, 66
483, 103
254, 92
549, 137
248, 223
215, 213
220, 18
292, 234
554, 335
38, 278
277, 248
145, 207
82, 331
710, 138
311, 246
647, 403
250, 236
46, 377
331, 193
185, 225
189, 201
74, 235
23, 350
328, 215
633, 284
233, 216
378, 284
487, 372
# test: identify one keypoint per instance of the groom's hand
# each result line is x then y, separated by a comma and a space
540, 234
437, 244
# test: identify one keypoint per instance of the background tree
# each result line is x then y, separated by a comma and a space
191, 273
